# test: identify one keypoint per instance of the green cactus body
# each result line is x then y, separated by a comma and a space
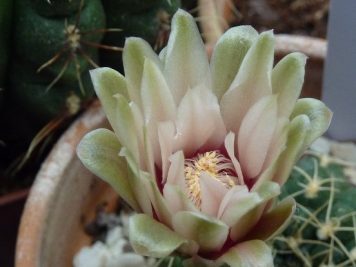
41, 104
38, 39
52, 56
55, 7
149, 24
323, 230
132, 6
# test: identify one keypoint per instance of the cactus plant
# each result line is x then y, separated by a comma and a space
57, 48
149, 20
55, 43
323, 230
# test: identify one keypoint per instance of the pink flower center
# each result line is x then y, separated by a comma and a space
213, 163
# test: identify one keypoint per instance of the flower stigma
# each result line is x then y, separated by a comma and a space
213, 163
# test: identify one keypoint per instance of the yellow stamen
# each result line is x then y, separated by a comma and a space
215, 165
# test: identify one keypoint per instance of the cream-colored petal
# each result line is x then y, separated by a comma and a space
159, 204
150, 147
126, 129
266, 191
287, 81
274, 221
157, 100
176, 170
157, 103
197, 118
107, 83
278, 143
252, 253
138, 123
319, 115
252, 82
230, 149
255, 135
186, 64
212, 192
166, 137
137, 182
149, 237
98, 151
236, 204
215, 141
228, 54
177, 199
297, 132
136, 50
208, 232
162, 55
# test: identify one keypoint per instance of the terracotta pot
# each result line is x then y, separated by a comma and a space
65, 195
11, 206
62, 200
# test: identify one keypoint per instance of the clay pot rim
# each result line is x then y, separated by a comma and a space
45, 187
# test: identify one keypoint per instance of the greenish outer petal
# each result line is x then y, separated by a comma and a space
157, 100
126, 129
150, 238
242, 207
137, 182
256, 67
319, 114
252, 82
228, 54
274, 221
98, 151
186, 64
266, 191
107, 83
136, 50
208, 232
159, 204
287, 81
162, 55
280, 169
298, 131
253, 253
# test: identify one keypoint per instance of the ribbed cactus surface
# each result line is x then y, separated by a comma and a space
323, 229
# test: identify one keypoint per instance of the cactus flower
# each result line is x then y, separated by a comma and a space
200, 149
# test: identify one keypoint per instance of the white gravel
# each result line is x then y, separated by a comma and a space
114, 252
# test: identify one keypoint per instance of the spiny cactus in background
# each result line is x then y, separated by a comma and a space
323, 230
149, 20
55, 44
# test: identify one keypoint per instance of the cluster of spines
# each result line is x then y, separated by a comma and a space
323, 230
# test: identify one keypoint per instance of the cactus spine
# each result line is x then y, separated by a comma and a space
323, 230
